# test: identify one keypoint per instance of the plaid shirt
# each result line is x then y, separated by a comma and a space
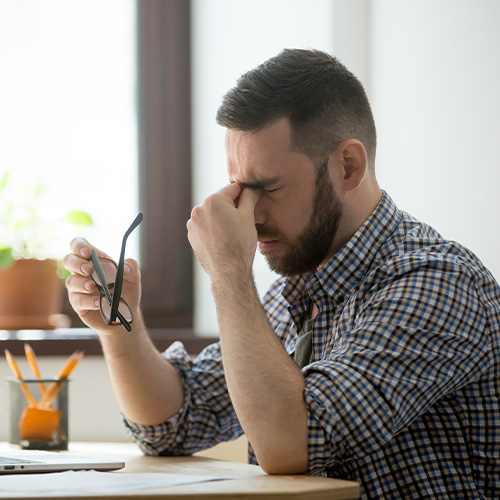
403, 394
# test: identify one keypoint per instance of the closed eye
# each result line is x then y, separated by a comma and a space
263, 184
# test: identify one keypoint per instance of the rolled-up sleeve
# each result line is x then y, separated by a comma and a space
207, 416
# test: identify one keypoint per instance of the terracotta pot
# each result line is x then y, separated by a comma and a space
30, 295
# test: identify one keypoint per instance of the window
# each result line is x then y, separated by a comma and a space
68, 118
164, 164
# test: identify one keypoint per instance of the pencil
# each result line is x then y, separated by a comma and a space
30, 356
17, 373
65, 372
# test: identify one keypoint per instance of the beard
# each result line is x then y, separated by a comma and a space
310, 248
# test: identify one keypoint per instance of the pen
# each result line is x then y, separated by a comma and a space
17, 373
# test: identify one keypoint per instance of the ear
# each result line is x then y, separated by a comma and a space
353, 163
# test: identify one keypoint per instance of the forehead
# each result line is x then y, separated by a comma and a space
262, 157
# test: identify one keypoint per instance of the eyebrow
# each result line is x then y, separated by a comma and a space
257, 184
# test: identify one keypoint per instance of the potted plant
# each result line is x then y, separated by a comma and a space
30, 269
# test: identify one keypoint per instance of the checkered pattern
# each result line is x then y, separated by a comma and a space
403, 395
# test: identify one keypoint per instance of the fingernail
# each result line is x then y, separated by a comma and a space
84, 252
88, 285
87, 269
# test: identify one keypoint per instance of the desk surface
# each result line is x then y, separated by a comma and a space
247, 481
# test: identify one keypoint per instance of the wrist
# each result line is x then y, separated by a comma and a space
232, 284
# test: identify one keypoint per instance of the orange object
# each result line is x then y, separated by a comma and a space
31, 295
56, 386
39, 421
30, 356
17, 373
38, 425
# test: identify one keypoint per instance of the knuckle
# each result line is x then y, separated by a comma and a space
195, 212
83, 302
77, 302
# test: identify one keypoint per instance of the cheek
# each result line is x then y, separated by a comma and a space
298, 219
287, 216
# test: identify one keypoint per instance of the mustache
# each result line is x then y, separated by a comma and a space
266, 232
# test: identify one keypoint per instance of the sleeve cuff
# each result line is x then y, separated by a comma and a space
164, 438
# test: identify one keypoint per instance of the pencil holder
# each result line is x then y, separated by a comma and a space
39, 413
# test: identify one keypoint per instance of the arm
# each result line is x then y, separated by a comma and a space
397, 371
148, 389
265, 386
207, 417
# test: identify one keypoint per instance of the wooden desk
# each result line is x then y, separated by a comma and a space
247, 481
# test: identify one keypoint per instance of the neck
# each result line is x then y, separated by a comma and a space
357, 206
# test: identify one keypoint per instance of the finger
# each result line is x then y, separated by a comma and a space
248, 200
82, 248
80, 284
78, 265
82, 302
79, 261
231, 191
131, 271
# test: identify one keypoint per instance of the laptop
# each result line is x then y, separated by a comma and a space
18, 461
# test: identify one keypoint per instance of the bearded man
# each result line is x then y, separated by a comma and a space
374, 358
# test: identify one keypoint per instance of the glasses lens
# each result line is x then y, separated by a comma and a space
123, 309
109, 268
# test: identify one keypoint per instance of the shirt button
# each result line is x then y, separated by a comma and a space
340, 299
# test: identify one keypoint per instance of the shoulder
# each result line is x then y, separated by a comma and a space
430, 284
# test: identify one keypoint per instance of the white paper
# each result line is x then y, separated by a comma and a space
73, 482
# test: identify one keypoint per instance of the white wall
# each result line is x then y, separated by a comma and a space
435, 90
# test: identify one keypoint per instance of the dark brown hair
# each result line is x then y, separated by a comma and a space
325, 103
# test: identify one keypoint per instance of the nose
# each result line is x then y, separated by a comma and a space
260, 212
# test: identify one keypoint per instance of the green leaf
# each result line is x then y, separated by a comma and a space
4, 180
78, 218
6, 258
62, 272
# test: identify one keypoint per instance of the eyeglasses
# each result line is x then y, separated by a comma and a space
108, 276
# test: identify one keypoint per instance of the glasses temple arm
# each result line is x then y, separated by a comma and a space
104, 285
101, 275
117, 290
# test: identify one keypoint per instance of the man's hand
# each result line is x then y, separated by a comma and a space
222, 232
82, 291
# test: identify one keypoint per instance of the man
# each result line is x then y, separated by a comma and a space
375, 358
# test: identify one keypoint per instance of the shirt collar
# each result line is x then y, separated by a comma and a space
345, 269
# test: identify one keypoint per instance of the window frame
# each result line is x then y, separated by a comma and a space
164, 115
